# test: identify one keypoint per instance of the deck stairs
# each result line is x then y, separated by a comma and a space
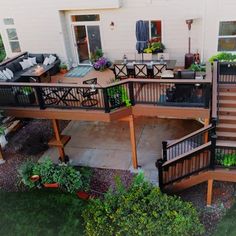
195, 167
226, 127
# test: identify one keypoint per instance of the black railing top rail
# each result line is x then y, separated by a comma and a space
199, 131
192, 152
73, 85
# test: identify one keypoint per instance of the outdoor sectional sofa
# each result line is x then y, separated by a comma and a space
14, 65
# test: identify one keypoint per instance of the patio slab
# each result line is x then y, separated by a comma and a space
107, 145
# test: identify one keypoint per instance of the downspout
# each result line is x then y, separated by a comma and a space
203, 30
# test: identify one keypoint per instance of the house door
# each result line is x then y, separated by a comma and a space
87, 40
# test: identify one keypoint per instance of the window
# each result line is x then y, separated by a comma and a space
12, 35
76, 18
154, 29
8, 21
227, 36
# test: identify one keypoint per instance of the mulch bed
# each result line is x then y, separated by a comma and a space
31, 141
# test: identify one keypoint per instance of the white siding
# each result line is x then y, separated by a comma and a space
42, 25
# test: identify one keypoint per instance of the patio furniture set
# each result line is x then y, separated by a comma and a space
37, 68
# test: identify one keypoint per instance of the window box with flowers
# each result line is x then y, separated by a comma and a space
154, 46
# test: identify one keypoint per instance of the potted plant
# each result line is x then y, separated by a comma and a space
155, 46
3, 141
63, 68
118, 96
25, 95
100, 63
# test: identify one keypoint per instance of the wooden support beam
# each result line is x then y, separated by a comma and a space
209, 191
206, 123
133, 142
58, 139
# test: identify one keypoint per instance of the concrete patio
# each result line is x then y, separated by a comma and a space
107, 145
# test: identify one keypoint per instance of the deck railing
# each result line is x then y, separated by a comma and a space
188, 155
227, 72
159, 92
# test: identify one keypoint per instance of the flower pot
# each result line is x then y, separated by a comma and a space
83, 195
3, 141
52, 185
63, 71
34, 178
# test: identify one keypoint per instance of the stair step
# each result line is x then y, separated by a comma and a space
226, 127
227, 88
227, 111
227, 103
226, 135
227, 119
225, 143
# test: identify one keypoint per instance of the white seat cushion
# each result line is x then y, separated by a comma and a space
2, 76
46, 61
7, 75
24, 64
51, 59
33, 60
10, 72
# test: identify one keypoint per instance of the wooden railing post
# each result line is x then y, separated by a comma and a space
41, 102
164, 151
106, 100
159, 164
131, 93
213, 151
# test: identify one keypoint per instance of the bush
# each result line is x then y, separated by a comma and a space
69, 179
226, 160
198, 68
223, 56
140, 210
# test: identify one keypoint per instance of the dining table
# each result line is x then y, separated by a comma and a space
170, 65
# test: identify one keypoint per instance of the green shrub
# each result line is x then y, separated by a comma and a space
223, 56
226, 159
69, 179
196, 67
140, 210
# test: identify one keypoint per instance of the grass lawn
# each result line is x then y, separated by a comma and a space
40, 212
227, 225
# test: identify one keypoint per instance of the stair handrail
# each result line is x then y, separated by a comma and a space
163, 165
215, 75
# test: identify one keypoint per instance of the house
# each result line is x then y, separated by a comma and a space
72, 29
61, 26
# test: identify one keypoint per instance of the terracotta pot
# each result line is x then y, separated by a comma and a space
63, 71
83, 195
53, 185
34, 178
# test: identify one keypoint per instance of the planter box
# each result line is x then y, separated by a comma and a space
26, 99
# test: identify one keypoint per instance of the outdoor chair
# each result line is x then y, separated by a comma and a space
140, 71
87, 93
121, 71
158, 70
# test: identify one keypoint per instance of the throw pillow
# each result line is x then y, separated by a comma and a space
23, 64
52, 59
28, 63
33, 60
46, 61
7, 75
10, 72
2, 76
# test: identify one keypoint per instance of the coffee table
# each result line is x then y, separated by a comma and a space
39, 73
